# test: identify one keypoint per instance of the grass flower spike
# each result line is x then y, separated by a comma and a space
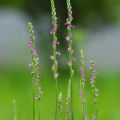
15, 117
71, 58
68, 103
55, 52
95, 89
82, 85
83, 80
35, 71
60, 104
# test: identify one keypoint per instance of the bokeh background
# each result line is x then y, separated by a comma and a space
97, 32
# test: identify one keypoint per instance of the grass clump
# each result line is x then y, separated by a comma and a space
68, 105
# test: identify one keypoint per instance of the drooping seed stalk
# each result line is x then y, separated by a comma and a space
70, 62
15, 117
55, 53
94, 89
35, 71
82, 85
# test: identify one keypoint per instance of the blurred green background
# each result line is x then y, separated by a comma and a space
97, 32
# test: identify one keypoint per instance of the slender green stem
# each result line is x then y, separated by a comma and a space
33, 107
70, 51
82, 98
56, 100
39, 115
83, 104
54, 57
82, 84
94, 88
34, 66
15, 117
54, 72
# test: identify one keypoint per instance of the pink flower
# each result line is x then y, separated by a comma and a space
93, 76
56, 62
53, 22
30, 44
58, 53
69, 63
81, 93
53, 67
92, 80
56, 43
52, 31
73, 26
71, 50
82, 73
66, 23
68, 26
74, 59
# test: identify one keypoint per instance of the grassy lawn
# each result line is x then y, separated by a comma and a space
16, 84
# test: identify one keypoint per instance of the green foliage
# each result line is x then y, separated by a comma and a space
15, 83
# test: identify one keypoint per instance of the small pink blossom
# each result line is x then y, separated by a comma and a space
93, 76
52, 31
55, 24
82, 73
68, 26
66, 23
56, 43
74, 59
69, 63
81, 93
71, 50
56, 62
30, 44
73, 26
53, 67
58, 53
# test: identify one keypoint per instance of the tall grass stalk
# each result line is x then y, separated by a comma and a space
94, 89
82, 85
70, 62
15, 117
68, 103
60, 104
55, 52
35, 71
83, 80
